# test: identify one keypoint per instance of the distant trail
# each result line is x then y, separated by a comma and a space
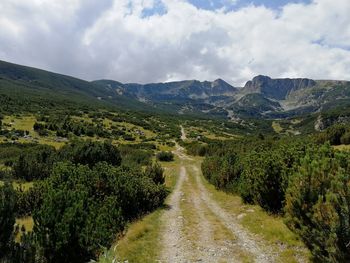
183, 133
197, 229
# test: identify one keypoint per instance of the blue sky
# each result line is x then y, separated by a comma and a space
235, 4
229, 5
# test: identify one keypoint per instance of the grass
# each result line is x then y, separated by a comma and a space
141, 243
277, 127
25, 123
25, 186
130, 127
164, 147
217, 135
342, 147
51, 142
27, 222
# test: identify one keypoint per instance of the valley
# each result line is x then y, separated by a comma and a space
185, 171
166, 131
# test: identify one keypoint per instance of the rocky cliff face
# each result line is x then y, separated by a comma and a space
277, 89
188, 89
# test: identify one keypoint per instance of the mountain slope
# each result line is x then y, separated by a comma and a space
297, 96
262, 97
187, 89
36, 89
277, 89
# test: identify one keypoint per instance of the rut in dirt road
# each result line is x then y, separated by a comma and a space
197, 229
245, 240
172, 239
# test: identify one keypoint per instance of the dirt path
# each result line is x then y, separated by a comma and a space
252, 246
197, 229
173, 239
183, 134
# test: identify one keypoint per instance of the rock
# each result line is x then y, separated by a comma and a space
240, 216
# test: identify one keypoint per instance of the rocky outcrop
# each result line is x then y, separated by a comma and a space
277, 89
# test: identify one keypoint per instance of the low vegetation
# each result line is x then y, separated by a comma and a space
81, 199
165, 156
75, 172
298, 179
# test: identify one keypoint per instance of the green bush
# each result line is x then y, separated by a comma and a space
84, 208
28, 201
7, 218
165, 156
156, 173
133, 156
223, 171
257, 170
332, 134
90, 153
35, 163
318, 204
195, 148
345, 138
264, 180
9, 152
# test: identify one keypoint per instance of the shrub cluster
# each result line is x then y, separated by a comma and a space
83, 208
165, 156
335, 135
83, 196
259, 172
318, 204
306, 182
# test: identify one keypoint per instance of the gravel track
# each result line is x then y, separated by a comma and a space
193, 217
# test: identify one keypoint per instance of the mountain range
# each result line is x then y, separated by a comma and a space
261, 97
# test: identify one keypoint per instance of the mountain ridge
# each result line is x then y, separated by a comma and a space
261, 97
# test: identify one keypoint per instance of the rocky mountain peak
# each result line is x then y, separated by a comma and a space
276, 88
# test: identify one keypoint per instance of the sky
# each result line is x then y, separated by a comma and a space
165, 40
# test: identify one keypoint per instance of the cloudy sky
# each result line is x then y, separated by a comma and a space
163, 40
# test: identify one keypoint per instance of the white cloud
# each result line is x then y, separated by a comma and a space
114, 39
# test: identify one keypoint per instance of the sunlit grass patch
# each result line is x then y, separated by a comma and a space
27, 223
342, 147
24, 186
141, 241
277, 127
25, 123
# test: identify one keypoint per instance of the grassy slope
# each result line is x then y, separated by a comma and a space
33, 89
